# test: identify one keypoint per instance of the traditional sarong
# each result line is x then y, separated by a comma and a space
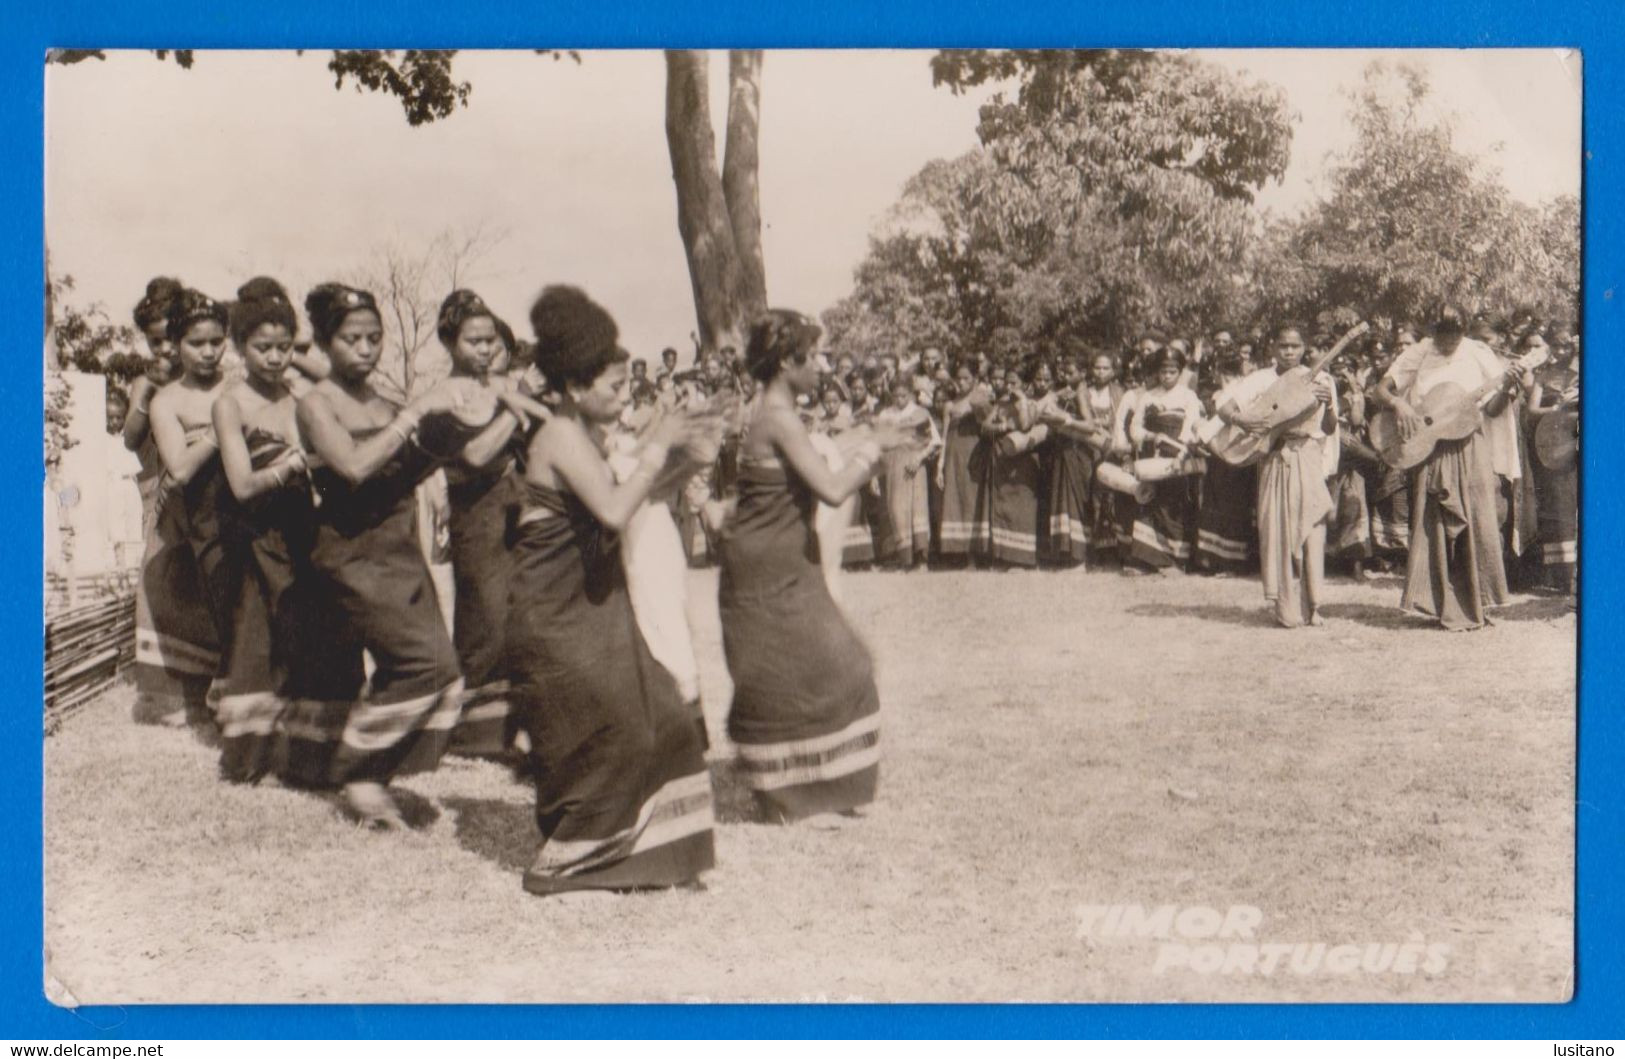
1389, 492
805, 712
1557, 496
1007, 510
1069, 518
1226, 524
276, 629
1165, 528
961, 486
1348, 531
373, 574
1293, 502
483, 509
906, 515
623, 796
1455, 565
177, 642
858, 539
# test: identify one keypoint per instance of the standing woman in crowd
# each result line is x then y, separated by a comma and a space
1556, 393
1100, 396
152, 320
805, 712
371, 571
1455, 567
959, 470
1070, 472
1348, 529
904, 477
1293, 501
266, 521
1226, 530
623, 796
177, 647
1163, 424
482, 501
1011, 493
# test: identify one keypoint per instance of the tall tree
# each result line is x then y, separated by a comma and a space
1411, 220
719, 213
1113, 191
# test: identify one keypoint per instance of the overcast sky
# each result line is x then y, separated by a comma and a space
250, 163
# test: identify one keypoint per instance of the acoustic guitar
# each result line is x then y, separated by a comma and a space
1557, 438
1286, 402
1448, 413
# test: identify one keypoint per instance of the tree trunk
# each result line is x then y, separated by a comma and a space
702, 213
739, 180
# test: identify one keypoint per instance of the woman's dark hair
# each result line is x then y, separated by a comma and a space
1533, 332
575, 337
261, 301
460, 307
154, 305
116, 393
779, 336
329, 304
510, 341
1166, 356
1281, 329
1449, 320
191, 307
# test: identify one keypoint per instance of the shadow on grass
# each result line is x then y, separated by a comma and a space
1254, 617
1537, 608
502, 832
1376, 617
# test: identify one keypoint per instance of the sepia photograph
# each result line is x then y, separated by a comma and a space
946, 526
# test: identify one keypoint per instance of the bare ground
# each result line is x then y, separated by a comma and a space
1052, 740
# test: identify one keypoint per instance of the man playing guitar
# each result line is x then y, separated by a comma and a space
1455, 567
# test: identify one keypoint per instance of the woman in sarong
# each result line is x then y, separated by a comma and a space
1293, 501
1348, 529
1008, 514
1556, 392
623, 796
904, 477
805, 711
482, 496
371, 572
1226, 526
1067, 520
961, 484
1455, 568
1099, 399
266, 523
177, 646
1163, 424
152, 320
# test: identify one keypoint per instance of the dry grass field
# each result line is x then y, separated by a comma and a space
1051, 740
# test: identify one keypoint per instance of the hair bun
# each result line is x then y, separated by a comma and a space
262, 289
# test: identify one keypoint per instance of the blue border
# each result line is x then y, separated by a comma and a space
1600, 990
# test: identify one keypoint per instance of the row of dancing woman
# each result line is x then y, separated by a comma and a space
285, 597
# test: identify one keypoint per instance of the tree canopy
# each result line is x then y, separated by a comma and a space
1115, 192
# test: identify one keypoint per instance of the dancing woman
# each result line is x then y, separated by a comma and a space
266, 519
177, 645
623, 796
372, 572
152, 320
805, 714
483, 500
